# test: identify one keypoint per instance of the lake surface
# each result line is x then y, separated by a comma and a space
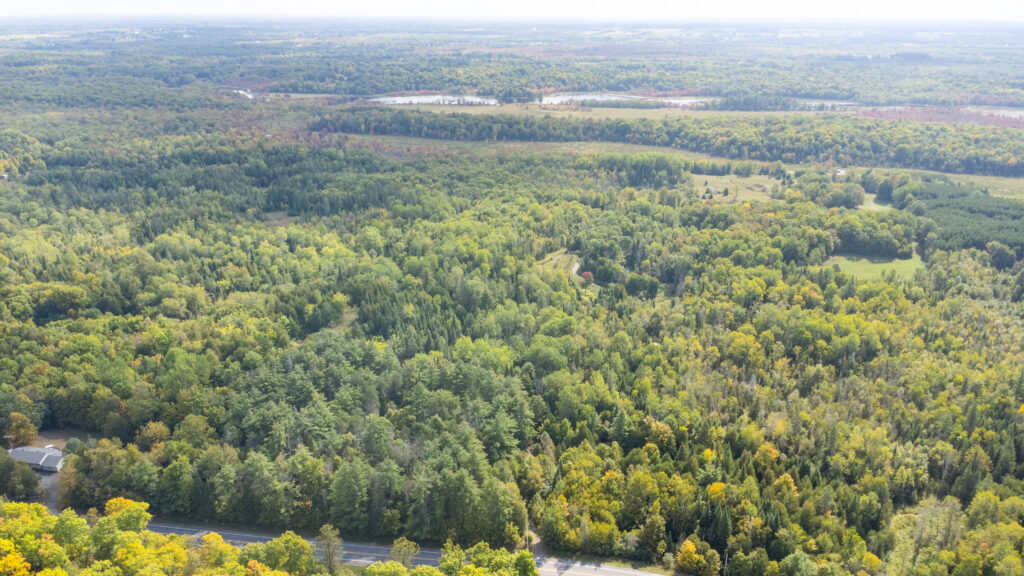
823, 103
576, 98
1007, 112
684, 100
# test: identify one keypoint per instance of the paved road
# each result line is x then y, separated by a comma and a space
48, 481
365, 554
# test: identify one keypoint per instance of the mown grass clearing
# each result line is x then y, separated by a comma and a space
874, 268
58, 438
870, 204
756, 187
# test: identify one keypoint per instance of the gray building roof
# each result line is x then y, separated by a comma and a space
42, 458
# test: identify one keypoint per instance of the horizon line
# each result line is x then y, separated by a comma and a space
658, 23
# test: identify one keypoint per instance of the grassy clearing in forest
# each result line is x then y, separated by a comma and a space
596, 113
870, 204
570, 265
873, 268
404, 145
996, 185
410, 145
756, 187
58, 438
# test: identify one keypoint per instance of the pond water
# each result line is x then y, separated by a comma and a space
822, 103
1016, 113
684, 100
576, 98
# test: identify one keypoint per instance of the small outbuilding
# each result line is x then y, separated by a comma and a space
47, 459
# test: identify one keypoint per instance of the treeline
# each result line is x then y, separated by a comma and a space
966, 216
423, 469
753, 102
33, 541
843, 140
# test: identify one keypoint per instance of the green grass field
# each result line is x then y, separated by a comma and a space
756, 187
594, 113
870, 204
873, 268
406, 144
996, 185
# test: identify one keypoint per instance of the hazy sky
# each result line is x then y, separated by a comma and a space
586, 10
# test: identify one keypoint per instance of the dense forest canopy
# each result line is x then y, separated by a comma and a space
285, 312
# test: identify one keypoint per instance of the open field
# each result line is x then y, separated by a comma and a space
996, 185
58, 438
410, 145
403, 145
751, 188
873, 268
298, 95
755, 187
870, 204
593, 113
